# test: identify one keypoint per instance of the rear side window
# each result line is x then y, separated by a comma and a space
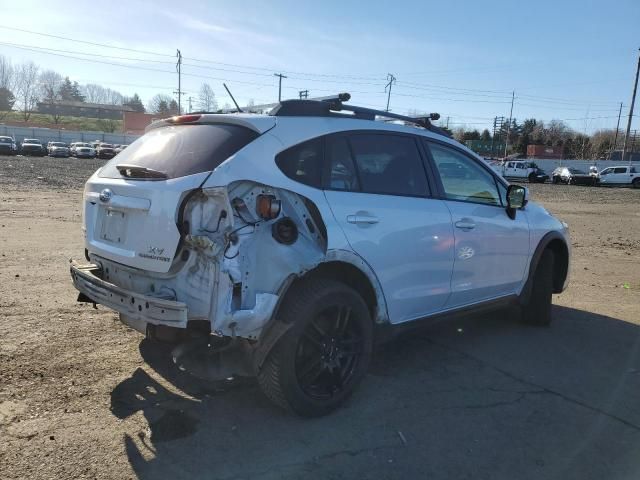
303, 162
389, 164
342, 172
182, 150
620, 170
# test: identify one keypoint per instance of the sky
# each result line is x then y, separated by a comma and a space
573, 60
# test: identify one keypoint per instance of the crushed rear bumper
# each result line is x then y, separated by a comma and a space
137, 310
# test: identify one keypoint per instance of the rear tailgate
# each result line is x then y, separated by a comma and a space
132, 204
134, 222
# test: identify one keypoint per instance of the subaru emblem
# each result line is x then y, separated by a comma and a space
105, 195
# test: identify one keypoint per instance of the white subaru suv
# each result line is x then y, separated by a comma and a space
288, 241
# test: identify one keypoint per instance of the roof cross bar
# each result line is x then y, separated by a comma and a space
331, 105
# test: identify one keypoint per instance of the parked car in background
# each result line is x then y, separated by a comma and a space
319, 231
573, 176
83, 150
620, 175
8, 146
523, 170
32, 146
105, 150
120, 148
58, 149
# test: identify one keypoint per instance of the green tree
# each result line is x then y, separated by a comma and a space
76, 93
135, 103
485, 135
7, 99
173, 108
471, 135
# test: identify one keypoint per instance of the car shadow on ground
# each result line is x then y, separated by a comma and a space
478, 397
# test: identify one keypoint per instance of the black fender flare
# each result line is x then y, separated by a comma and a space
535, 259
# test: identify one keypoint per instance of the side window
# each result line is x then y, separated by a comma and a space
462, 178
303, 162
389, 164
620, 170
342, 172
606, 171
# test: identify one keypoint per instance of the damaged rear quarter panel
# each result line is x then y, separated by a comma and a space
258, 264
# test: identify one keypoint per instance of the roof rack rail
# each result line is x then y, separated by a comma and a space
331, 106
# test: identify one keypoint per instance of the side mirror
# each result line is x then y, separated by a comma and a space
516, 199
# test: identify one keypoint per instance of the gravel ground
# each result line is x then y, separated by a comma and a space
82, 396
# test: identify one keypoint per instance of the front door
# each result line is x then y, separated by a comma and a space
378, 191
491, 250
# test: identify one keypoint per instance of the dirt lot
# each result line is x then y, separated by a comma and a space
82, 396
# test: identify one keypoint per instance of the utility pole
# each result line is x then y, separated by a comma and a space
190, 98
615, 140
633, 101
506, 143
498, 122
178, 68
392, 80
303, 94
280, 77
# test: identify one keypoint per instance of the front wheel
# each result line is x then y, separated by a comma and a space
636, 183
319, 362
537, 310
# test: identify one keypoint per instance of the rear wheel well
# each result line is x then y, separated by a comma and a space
349, 275
561, 263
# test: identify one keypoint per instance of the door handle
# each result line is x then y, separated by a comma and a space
362, 219
465, 224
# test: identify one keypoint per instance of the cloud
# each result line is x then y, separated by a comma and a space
228, 33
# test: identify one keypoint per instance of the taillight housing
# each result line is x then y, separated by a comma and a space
268, 207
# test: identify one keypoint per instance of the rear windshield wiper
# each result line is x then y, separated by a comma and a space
136, 171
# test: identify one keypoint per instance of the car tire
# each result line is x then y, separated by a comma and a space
321, 359
532, 178
537, 310
636, 183
556, 180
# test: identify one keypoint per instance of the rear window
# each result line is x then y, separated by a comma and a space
182, 150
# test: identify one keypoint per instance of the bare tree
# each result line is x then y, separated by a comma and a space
160, 103
49, 83
7, 84
113, 97
27, 88
7, 73
94, 93
207, 99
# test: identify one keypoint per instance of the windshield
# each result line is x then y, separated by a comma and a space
106, 145
58, 144
576, 171
31, 140
182, 150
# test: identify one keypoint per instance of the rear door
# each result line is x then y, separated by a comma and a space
378, 190
491, 249
132, 203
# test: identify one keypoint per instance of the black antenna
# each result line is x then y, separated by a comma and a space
234, 100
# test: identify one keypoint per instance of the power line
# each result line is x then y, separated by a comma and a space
83, 41
146, 52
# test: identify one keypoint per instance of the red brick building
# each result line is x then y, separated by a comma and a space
542, 151
134, 123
